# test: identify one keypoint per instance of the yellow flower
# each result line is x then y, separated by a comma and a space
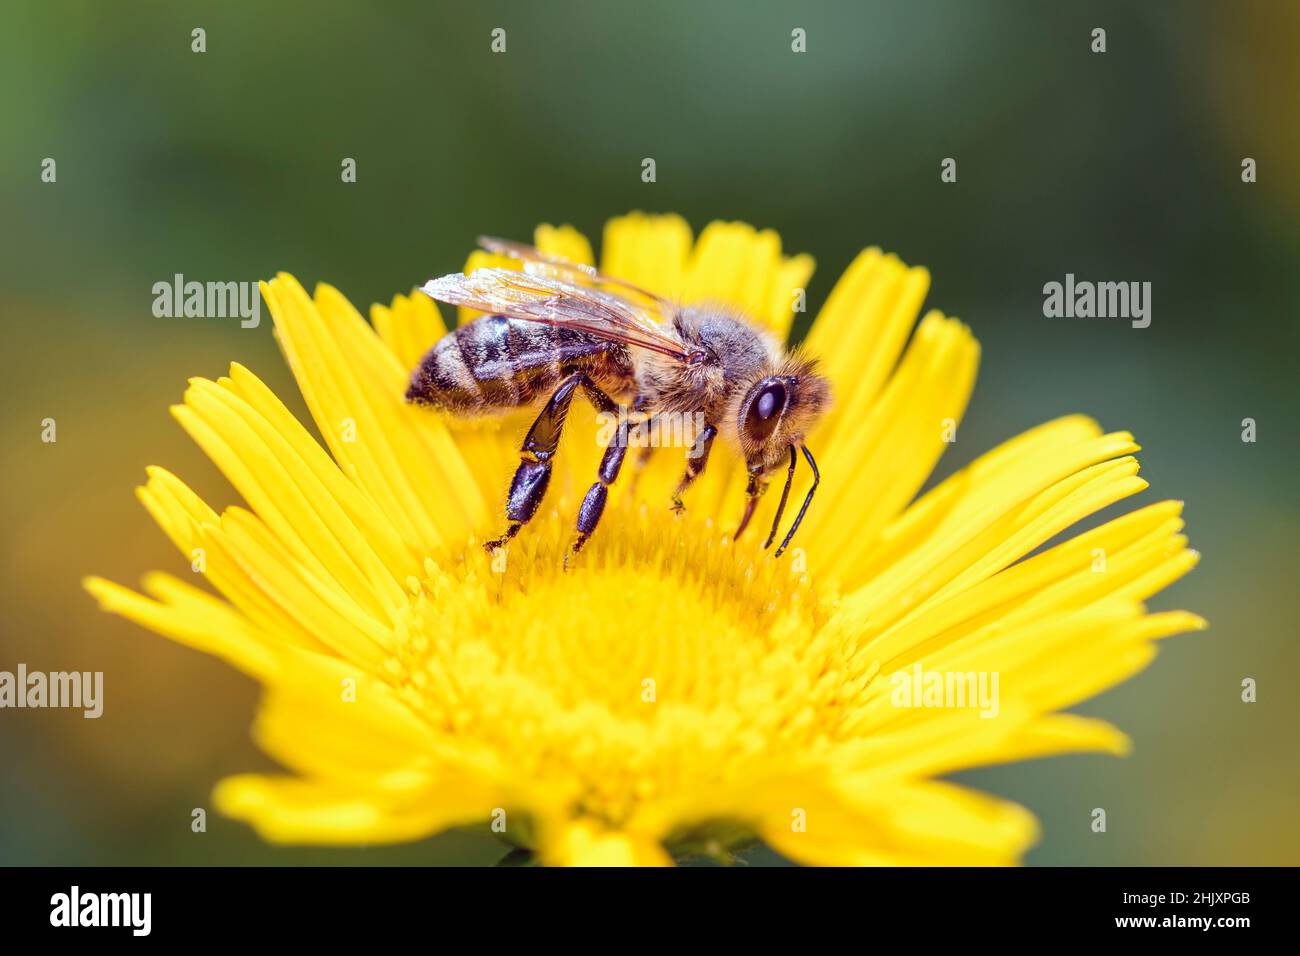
672, 691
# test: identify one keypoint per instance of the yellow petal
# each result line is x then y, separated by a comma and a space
894, 446
564, 241
1061, 578
648, 250
190, 617
288, 810
905, 825
860, 331
297, 498
409, 327
582, 843
405, 461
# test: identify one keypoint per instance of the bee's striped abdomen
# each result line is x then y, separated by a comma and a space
495, 363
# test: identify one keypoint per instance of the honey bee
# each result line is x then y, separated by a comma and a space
559, 326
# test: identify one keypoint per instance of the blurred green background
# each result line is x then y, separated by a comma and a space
225, 166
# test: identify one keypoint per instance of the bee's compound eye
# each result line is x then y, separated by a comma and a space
764, 410
770, 401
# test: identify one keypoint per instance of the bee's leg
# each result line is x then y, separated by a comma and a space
696, 458
534, 472
593, 503
753, 490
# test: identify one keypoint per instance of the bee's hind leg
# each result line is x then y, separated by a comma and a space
528, 487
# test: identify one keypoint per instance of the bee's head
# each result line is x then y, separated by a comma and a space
778, 410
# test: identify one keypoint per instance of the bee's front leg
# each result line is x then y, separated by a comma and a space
757, 485
697, 457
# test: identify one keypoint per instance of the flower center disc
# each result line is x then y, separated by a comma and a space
662, 646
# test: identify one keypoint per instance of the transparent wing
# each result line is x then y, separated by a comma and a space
552, 301
536, 262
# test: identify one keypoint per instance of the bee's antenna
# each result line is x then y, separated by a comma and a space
785, 493
806, 502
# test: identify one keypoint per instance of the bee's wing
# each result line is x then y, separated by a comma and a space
551, 301
536, 262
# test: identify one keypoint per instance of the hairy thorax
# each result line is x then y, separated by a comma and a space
735, 354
